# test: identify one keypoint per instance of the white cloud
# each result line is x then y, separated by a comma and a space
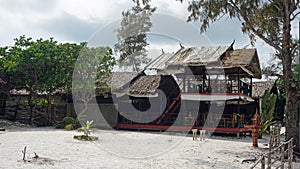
77, 20
172, 7
94, 10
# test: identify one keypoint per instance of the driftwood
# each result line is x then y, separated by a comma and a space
36, 159
35, 156
2, 129
24, 153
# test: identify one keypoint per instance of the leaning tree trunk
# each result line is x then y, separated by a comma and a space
291, 108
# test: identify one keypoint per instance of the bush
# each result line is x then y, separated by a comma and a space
69, 123
69, 127
68, 120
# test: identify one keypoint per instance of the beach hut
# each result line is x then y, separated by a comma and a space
215, 90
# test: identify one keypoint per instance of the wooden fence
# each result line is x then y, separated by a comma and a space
280, 155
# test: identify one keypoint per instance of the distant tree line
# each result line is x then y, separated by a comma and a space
45, 67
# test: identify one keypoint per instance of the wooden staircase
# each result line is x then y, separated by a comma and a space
169, 116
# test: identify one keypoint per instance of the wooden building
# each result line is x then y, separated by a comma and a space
205, 87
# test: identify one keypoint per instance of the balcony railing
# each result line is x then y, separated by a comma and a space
221, 87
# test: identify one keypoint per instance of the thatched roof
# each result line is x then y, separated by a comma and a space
117, 80
246, 59
259, 88
188, 56
239, 57
145, 85
215, 58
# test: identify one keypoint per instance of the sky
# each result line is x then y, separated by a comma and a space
95, 21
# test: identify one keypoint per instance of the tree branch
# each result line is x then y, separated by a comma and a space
254, 31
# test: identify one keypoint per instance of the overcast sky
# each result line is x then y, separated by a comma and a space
89, 20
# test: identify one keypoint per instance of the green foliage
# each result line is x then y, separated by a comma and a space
93, 63
69, 123
132, 39
260, 18
46, 66
68, 120
87, 128
69, 127
268, 105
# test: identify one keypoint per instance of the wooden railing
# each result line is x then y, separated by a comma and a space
276, 158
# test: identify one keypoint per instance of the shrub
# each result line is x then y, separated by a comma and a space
69, 123
68, 120
69, 127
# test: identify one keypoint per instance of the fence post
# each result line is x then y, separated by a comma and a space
277, 133
263, 162
282, 157
290, 154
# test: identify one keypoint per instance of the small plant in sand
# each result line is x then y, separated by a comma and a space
86, 129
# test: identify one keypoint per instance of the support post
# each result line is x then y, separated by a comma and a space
251, 84
183, 79
239, 81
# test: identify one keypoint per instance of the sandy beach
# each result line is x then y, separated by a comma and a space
123, 149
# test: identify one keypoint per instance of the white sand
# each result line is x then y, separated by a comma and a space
57, 149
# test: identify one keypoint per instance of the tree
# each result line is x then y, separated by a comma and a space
39, 67
271, 22
93, 63
132, 38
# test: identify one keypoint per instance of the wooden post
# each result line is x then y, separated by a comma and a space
239, 91
270, 149
203, 83
282, 157
251, 84
183, 79
209, 87
290, 154
263, 163
269, 160
239, 81
277, 134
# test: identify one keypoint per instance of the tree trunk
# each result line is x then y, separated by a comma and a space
49, 112
291, 108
